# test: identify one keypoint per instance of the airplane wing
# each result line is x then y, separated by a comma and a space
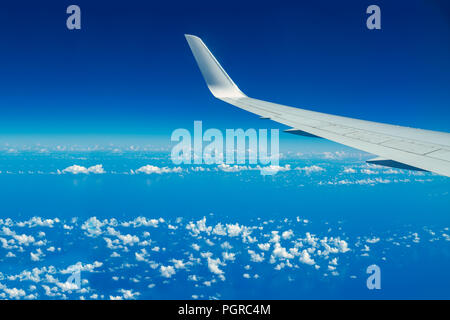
395, 146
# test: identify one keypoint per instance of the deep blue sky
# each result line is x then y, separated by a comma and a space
130, 72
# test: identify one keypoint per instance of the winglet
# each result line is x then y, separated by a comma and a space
217, 80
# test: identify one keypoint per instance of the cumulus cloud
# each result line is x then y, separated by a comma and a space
373, 240
220, 230
280, 244
264, 246
228, 256
178, 264
287, 234
280, 252
392, 171
226, 245
149, 169
271, 169
234, 229
368, 171
38, 221
128, 239
227, 168
143, 221
24, 239
139, 256
343, 246
306, 258
167, 271
76, 169
310, 169
85, 267
369, 181
37, 255
198, 227
255, 257
336, 155
13, 293
129, 294
213, 265
93, 226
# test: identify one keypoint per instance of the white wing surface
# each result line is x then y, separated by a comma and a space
395, 146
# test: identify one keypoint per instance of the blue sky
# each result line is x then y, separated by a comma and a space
128, 73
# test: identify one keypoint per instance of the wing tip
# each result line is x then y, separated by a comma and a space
188, 36
217, 80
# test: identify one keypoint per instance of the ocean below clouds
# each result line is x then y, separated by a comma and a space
137, 227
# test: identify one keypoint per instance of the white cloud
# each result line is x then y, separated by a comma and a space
143, 221
264, 246
38, 221
226, 245
227, 168
306, 258
198, 227
368, 181
272, 169
287, 234
24, 239
178, 264
334, 261
234, 229
139, 256
128, 239
335, 155
213, 265
373, 240
129, 294
167, 272
228, 256
76, 169
219, 230
275, 237
97, 169
265, 170
368, 171
149, 169
36, 256
281, 252
342, 245
255, 257
392, 171
93, 226
67, 286
13, 293
310, 169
